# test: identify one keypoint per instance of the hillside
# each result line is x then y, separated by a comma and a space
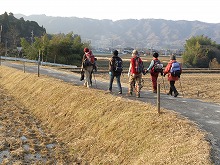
144, 33
111, 130
13, 29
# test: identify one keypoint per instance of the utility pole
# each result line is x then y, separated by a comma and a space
0, 43
6, 47
32, 37
1, 34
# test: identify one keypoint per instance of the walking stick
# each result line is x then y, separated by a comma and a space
164, 85
181, 87
95, 80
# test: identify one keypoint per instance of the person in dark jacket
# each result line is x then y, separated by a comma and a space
154, 73
115, 70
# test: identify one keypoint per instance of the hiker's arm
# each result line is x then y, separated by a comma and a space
151, 65
129, 70
167, 69
111, 61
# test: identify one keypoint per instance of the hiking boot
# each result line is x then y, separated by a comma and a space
129, 94
176, 94
169, 93
120, 92
108, 91
138, 95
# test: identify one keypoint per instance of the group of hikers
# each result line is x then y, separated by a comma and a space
136, 69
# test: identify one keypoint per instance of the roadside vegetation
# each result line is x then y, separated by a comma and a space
106, 129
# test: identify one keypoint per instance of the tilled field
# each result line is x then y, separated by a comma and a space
22, 140
202, 86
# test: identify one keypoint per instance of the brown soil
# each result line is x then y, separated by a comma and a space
202, 86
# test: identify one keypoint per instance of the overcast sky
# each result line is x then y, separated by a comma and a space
191, 10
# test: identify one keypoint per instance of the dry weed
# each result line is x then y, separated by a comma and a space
105, 129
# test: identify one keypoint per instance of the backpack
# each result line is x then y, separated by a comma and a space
117, 65
90, 59
139, 67
158, 67
175, 69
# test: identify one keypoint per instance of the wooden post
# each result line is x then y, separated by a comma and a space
38, 68
197, 93
158, 98
24, 65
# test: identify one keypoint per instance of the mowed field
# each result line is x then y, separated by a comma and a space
101, 128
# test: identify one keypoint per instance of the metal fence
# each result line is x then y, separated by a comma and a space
36, 62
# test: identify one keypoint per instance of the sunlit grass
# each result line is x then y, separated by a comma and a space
105, 129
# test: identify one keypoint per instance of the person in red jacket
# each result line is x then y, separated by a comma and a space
87, 67
171, 78
135, 73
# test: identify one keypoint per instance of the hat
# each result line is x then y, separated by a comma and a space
135, 52
172, 57
115, 52
86, 50
155, 54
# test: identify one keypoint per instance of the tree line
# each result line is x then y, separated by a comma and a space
200, 51
59, 48
27, 39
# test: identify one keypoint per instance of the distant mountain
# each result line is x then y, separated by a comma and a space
144, 33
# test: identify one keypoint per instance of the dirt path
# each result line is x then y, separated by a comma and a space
22, 140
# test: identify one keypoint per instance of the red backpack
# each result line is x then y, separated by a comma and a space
90, 59
139, 67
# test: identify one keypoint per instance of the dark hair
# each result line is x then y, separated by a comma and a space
155, 55
173, 57
115, 52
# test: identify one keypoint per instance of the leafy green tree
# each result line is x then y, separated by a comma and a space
28, 50
53, 48
64, 49
44, 47
200, 51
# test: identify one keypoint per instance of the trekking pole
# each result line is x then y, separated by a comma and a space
142, 83
181, 87
164, 85
95, 80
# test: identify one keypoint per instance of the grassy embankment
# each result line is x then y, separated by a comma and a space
105, 129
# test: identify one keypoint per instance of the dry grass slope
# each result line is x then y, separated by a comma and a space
105, 129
